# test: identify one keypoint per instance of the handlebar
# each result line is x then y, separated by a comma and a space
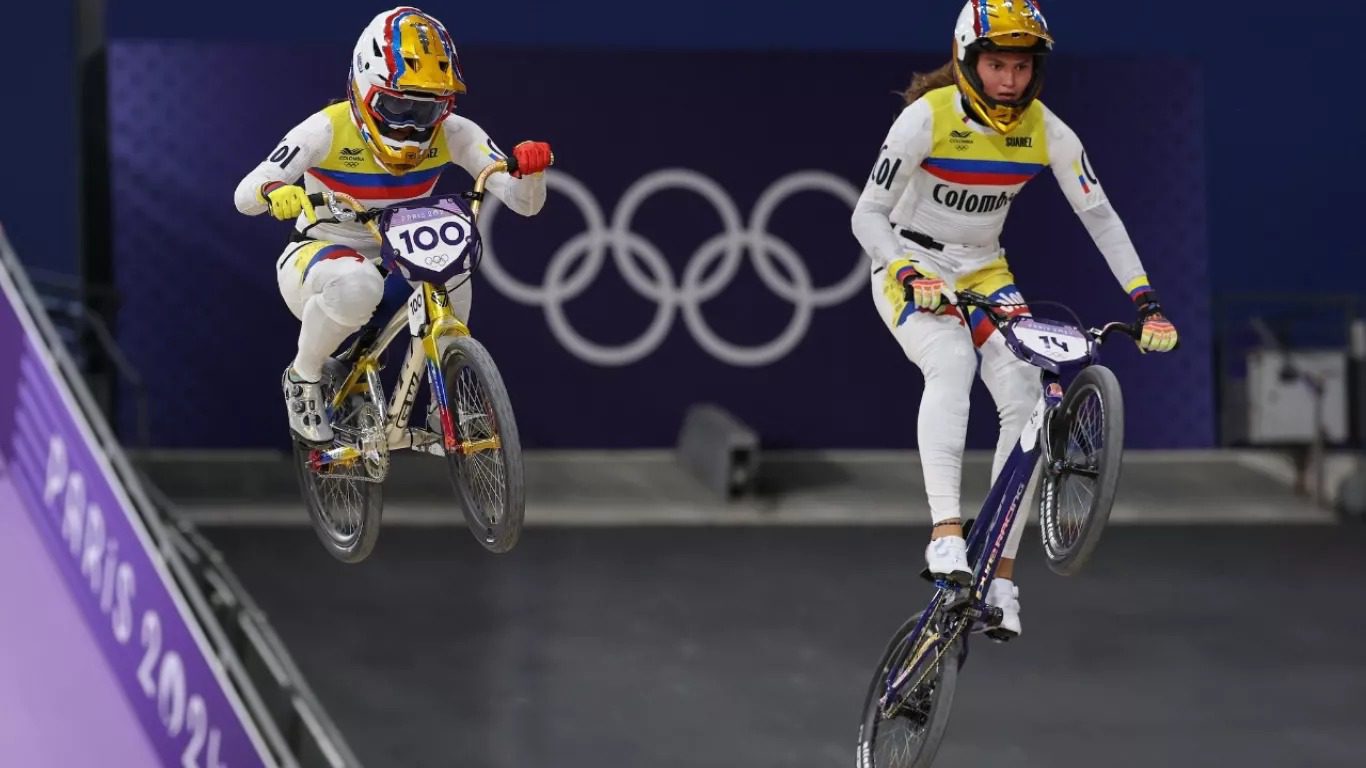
345, 208
973, 299
1132, 330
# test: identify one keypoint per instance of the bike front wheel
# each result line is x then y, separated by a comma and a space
1080, 475
906, 732
486, 463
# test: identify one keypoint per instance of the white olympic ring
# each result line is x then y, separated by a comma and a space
560, 285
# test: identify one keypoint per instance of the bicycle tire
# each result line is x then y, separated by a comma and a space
489, 483
351, 546
1070, 537
924, 738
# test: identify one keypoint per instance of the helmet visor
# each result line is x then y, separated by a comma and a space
400, 111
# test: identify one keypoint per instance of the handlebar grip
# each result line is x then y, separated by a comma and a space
1132, 330
511, 162
317, 200
973, 297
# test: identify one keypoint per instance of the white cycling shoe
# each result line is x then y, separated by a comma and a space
307, 408
947, 558
1005, 595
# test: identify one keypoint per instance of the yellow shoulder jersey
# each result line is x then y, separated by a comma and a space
346, 165
943, 185
327, 151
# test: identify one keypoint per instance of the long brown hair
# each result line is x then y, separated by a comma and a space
924, 82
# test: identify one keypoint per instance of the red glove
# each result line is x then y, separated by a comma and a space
532, 157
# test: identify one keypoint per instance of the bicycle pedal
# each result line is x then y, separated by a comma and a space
957, 596
984, 617
1000, 635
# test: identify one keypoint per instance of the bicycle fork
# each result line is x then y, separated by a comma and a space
430, 318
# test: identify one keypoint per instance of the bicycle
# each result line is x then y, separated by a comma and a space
430, 241
1079, 436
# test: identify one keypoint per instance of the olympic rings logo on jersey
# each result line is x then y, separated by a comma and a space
657, 282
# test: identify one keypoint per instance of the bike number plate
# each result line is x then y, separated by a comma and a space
431, 241
1058, 342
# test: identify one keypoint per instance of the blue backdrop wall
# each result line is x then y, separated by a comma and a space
1272, 190
716, 188
1275, 185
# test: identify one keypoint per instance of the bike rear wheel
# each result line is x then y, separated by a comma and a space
344, 503
1079, 478
486, 467
907, 734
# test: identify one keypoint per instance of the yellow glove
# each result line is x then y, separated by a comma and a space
287, 201
928, 292
910, 289
1159, 335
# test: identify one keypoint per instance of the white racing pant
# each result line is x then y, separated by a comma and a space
334, 291
943, 347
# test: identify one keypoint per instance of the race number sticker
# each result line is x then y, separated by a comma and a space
429, 238
417, 312
1056, 341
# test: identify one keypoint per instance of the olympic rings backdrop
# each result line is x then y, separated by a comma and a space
695, 245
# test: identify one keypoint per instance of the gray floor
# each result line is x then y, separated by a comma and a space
704, 647
651, 488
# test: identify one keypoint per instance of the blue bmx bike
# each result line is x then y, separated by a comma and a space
1074, 440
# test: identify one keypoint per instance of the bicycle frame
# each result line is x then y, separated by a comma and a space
429, 322
986, 543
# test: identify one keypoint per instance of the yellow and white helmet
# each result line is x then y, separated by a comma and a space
405, 75
1008, 26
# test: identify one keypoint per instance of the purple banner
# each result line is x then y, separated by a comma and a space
60, 703
95, 536
695, 244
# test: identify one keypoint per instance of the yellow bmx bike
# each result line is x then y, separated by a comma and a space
434, 243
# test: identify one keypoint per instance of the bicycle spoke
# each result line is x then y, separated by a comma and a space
1071, 493
1086, 427
1077, 488
340, 492
1077, 513
902, 751
901, 729
485, 470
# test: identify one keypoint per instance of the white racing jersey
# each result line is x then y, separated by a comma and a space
946, 177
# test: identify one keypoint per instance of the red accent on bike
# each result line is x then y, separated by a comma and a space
452, 440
